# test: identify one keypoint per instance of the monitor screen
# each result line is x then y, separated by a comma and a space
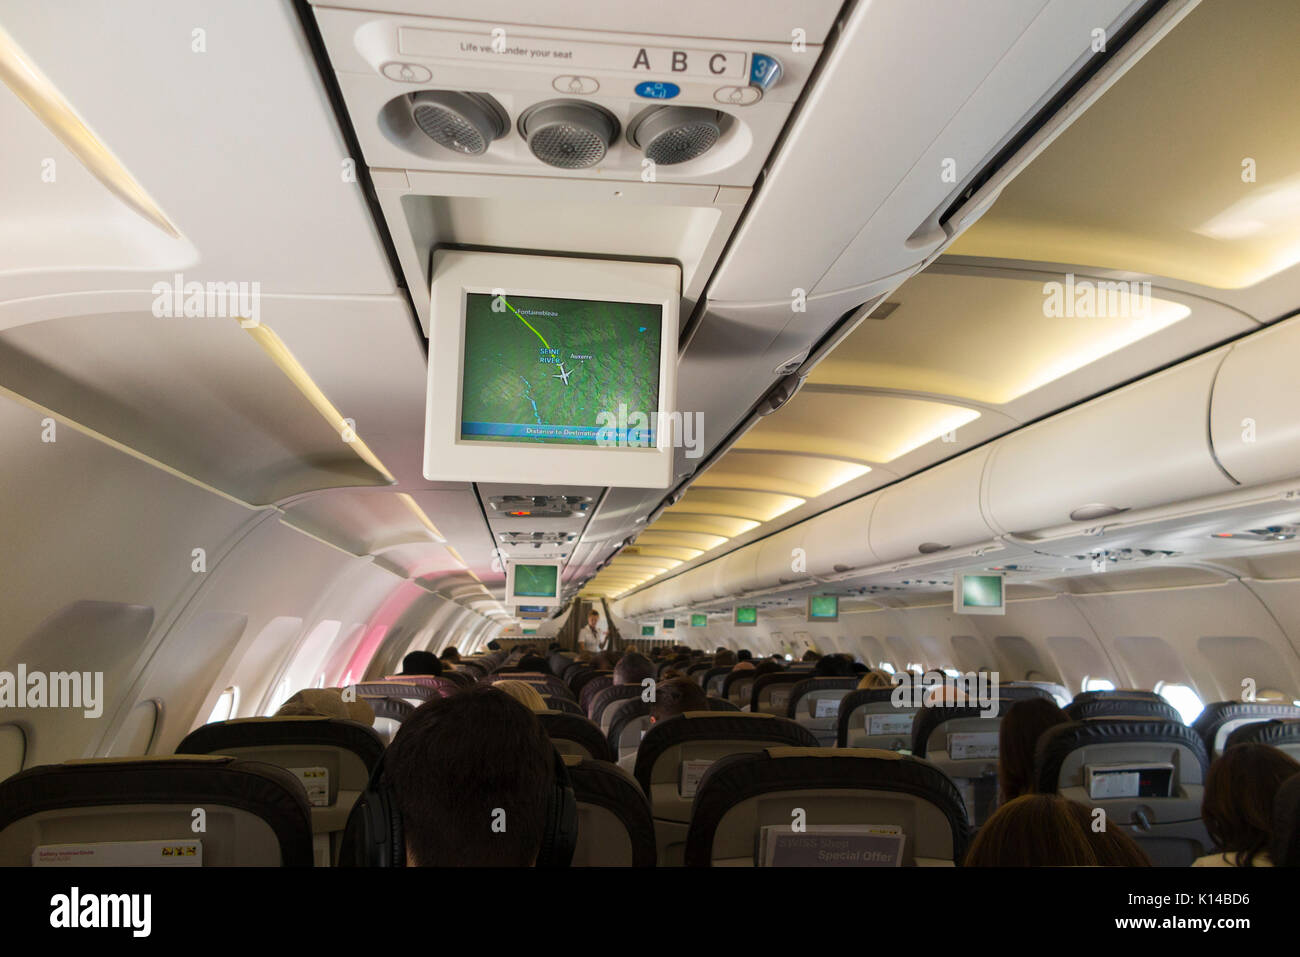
823, 608
978, 595
670, 624
527, 609
746, 615
647, 631
699, 621
536, 581
539, 369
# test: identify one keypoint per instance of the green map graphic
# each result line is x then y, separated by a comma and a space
536, 581
519, 355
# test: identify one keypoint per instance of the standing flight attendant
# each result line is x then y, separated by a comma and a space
592, 638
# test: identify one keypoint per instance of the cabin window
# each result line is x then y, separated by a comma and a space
952, 672
227, 705
1183, 698
886, 667
1097, 684
915, 668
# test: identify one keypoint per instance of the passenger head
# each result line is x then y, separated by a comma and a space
494, 645
421, 663
450, 653
724, 659
632, 669
875, 678
677, 696
534, 663
833, 666
1238, 805
810, 655
766, 667
744, 654
1046, 830
456, 765
604, 661
524, 693
1021, 727
326, 703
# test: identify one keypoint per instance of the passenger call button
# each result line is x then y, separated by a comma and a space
738, 95
406, 72
575, 84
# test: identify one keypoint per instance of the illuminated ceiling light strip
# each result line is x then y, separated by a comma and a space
43, 98
279, 353
414, 506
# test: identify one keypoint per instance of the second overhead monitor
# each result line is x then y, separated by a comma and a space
535, 584
551, 371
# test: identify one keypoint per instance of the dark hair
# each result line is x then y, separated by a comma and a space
421, 663
1046, 830
451, 653
1238, 804
632, 669
677, 696
456, 765
766, 667
810, 655
833, 666
724, 659
494, 645
1021, 727
534, 663
593, 612
604, 661
744, 654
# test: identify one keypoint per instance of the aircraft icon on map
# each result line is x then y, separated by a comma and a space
563, 375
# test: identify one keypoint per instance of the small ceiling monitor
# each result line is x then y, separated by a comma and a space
823, 608
699, 621
746, 615
535, 584
647, 631
551, 371
979, 594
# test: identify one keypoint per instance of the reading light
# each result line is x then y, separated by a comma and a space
279, 353
43, 98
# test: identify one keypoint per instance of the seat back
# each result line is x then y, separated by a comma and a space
606, 702
416, 694
770, 694
815, 704
595, 686
697, 671
1122, 706
545, 684
442, 683
333, 757
1283, 734
562, 704
1084, 696
675, 753
628, 726
389, 714
1148, 776
140, 811
869, 718
962, 742
615, 828
847, 802
713, 679
720, 704
1221, 718
573, 734
736, 686
578, 681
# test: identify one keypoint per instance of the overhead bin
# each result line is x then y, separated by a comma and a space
836, 541
906, 110
734, 574
1253, 424
776, 559
936, 511
1143, 446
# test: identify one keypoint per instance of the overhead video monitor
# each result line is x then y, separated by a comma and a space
980, 594
699, 621
534, 585
823, 608
550, 370
746, 615
670, 624
647, 631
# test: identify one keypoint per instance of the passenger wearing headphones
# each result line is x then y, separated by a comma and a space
474, 781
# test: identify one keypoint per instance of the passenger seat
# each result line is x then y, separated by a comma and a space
615, 828
815, 704
1221, 718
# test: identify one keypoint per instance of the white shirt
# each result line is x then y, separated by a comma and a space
591, 639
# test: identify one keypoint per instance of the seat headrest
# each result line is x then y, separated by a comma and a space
576, 728
739, 777
1276, 733
1218, 714
608, 786
630, 712
1083, 696
1057, 743
927, 721
808, 685
360, 739
1122, 706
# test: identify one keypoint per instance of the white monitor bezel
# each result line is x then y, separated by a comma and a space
960, 608
515, 601
735, 617
457, 273
808, 615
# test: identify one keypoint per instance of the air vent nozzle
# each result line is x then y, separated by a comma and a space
464, 122
675, 134
569, 134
